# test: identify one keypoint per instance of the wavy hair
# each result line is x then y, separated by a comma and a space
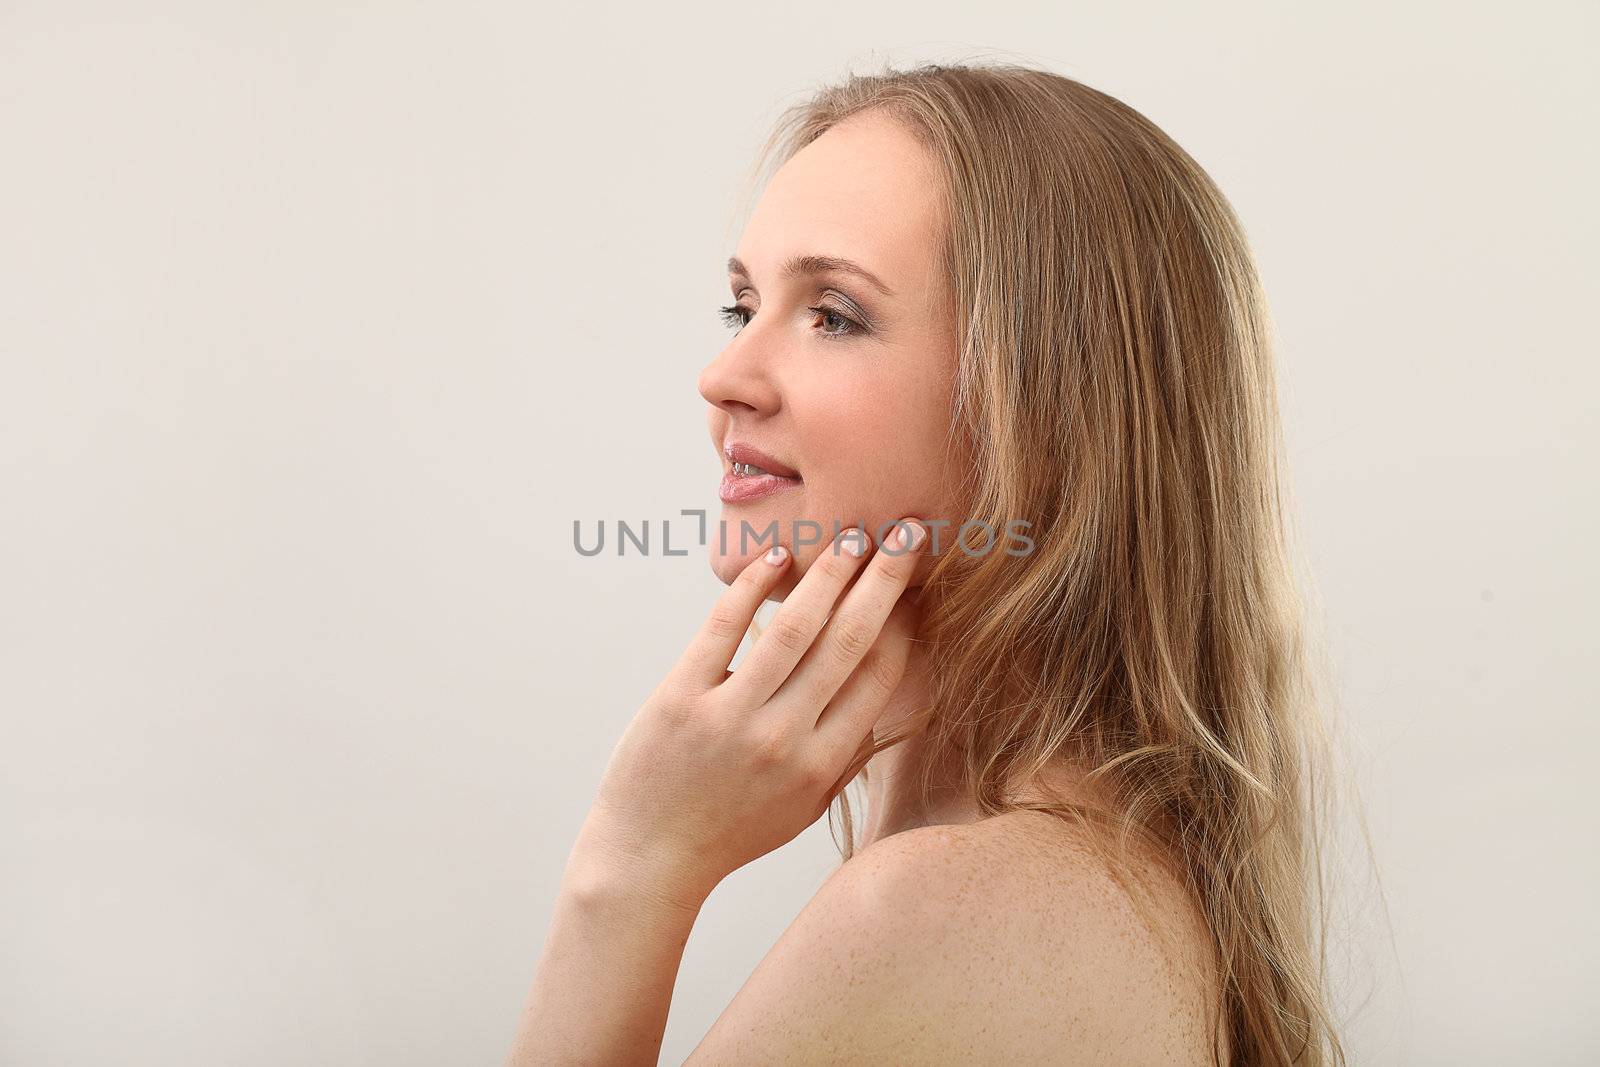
1116, 389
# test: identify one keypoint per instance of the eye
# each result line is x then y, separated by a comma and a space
835, 323
842, 325
735, 316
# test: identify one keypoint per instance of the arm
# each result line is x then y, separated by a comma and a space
716, 769
1002, 941
887, 963
604, 981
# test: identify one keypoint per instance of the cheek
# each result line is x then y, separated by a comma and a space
850, 439
880, 456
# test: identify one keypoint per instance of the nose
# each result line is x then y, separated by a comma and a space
739, 379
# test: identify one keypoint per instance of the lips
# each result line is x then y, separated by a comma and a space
743, 455
751, 474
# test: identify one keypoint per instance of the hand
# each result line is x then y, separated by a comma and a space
719, 768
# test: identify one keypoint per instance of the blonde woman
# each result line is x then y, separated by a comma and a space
998, 332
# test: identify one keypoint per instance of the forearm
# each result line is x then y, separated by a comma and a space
604, 981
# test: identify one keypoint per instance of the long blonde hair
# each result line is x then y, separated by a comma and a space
1116, 390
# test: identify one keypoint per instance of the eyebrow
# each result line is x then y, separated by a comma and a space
802, 266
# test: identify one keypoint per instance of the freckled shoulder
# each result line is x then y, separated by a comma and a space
1004, 940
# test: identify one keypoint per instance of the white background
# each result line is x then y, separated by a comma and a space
321, 323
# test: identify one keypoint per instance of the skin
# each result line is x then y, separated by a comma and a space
948, 937
857, 400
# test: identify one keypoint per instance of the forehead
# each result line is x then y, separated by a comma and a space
865, 190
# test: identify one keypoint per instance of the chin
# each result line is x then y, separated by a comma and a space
726, 565
731, 549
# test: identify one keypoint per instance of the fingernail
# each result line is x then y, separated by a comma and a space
776, 554
906, 530
855, 542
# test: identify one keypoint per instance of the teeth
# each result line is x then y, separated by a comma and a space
747, 470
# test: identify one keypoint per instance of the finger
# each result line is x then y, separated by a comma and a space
705, 662
848, 721
855, 626
796, 624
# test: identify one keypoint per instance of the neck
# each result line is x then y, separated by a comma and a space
892, 801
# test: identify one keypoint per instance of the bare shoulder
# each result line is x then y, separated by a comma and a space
1005, 940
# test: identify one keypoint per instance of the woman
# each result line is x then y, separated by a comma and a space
978, 299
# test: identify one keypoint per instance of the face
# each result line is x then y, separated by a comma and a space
843, 378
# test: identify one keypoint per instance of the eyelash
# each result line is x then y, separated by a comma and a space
737, 315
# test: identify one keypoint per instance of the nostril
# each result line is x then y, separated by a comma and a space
735, 407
